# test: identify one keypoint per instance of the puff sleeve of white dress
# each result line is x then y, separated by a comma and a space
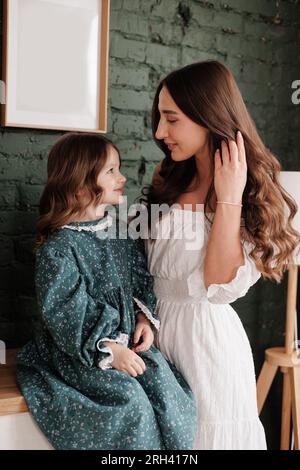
246, 276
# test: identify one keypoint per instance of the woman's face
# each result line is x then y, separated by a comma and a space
183, 136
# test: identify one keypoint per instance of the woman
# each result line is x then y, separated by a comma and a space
229, 180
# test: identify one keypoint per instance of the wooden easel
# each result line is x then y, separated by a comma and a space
286, 358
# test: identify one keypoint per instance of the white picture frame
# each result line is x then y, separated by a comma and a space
55, 64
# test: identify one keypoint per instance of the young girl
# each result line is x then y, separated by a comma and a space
197, 113
87, 381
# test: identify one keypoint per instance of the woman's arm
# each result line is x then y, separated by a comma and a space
224, 250
224, 253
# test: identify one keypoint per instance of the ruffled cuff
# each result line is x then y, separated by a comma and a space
246, 276
105, 363
147, 313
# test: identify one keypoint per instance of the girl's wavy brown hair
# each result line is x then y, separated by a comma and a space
207, 93
74, 163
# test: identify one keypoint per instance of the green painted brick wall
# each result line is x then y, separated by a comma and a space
259, 41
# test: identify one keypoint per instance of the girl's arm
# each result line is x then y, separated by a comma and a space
76, 322
142, 284
125, 360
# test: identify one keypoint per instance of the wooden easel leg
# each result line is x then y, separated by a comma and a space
295, 382
286, 411
264, 383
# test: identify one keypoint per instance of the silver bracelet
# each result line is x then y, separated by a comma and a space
230, 203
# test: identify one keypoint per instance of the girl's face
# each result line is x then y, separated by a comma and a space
111, 180
183, 136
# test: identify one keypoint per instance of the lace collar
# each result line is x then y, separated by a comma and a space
92, 225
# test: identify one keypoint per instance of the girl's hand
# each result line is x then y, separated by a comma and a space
143, 330
231, 171
126, 360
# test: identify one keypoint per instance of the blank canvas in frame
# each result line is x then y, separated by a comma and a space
55, 64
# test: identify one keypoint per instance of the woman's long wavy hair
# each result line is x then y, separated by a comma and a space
74, 163
207, 93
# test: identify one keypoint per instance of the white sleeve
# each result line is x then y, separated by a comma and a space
246, 276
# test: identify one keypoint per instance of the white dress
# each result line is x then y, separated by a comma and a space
202, 334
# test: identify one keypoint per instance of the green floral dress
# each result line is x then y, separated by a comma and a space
90, 285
